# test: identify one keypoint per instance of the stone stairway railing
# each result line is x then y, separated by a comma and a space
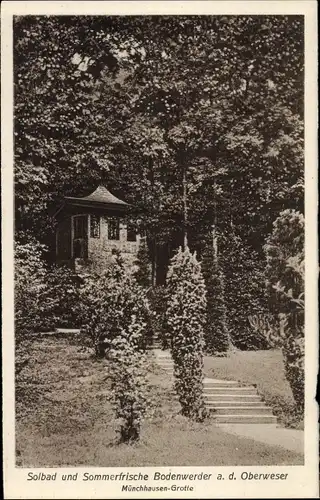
228, 400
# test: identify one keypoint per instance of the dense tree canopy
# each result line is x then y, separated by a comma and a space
195, 120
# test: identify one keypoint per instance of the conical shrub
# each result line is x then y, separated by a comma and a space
185, 319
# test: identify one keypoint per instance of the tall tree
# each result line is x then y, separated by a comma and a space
217, 337
150, 103
285, 271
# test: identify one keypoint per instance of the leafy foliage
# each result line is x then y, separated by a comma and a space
128, 379
139, 100
285, 270
265, 329
143, 273
149, 102
63, 297
115, 318
30, 289
287, 412
186, 316
108, 301
216, 331
245, 294
45, 296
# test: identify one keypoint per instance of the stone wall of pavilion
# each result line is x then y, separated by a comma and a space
100, 249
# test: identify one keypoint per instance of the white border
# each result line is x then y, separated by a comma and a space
303, 480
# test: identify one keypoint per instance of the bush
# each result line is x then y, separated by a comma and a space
264, 328
31, 307
285, 272
129, 380
45, 297
116, 319
63, 298
95, 295
245, 295
287, 412
186, 318
107, 302
216, 331
293, 353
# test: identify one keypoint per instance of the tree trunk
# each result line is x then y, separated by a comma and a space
215, 244
185, 208
218, 269
154, 239
214, 228
154, 262
162, 263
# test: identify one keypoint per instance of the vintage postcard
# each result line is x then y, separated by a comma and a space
159, 187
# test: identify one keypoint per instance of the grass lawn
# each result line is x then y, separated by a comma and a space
63, 418
265, 370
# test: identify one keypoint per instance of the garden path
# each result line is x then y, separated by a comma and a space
290, 439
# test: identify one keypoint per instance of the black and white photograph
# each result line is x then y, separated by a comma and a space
159, 184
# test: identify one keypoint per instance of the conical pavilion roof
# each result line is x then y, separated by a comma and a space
100, 195
100, 200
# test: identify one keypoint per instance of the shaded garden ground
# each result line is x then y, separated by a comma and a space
63, 418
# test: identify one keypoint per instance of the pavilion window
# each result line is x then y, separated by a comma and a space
94, 226
113, 229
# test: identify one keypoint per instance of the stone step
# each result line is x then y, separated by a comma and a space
245, 419
235, 410
234, 398
229, 390
221, 384
231, 403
